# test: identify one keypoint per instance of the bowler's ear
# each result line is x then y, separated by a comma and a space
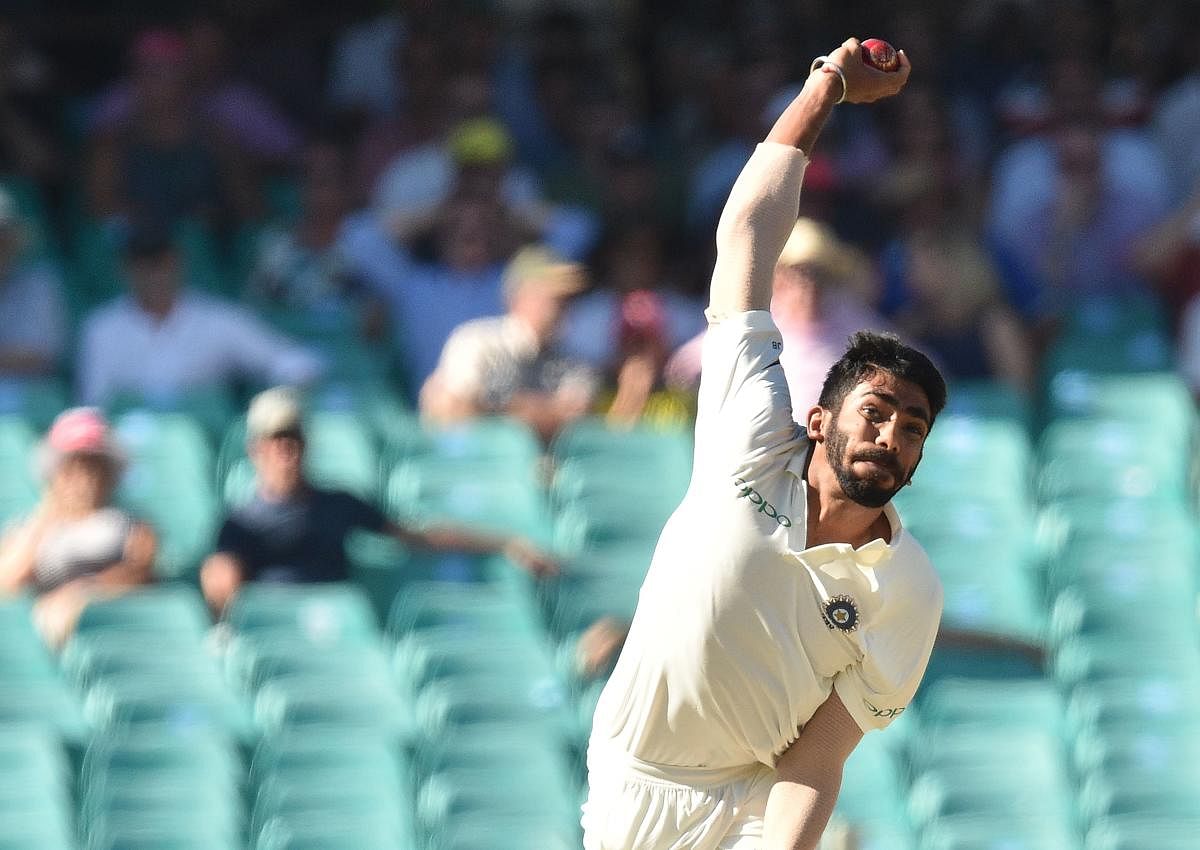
818, 421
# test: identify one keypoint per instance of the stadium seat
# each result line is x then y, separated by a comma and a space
36, 400
450, 704
985, 399
312, 704
873, 788
1159, 401
999, 832
976, 457
168, 609
957, 704
1108, 457
1122, 705
474, 609
322, 614
1137, 832
256, 662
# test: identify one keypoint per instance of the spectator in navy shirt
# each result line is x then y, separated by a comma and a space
292, 531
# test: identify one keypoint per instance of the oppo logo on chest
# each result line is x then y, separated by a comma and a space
763, 506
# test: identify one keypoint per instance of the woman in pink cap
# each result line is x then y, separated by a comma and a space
76, 546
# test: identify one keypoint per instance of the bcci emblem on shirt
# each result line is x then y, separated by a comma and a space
841, 612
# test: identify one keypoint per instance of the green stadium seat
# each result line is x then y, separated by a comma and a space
212, 407
1118, 524
1087, 457
279, 805
1165, 797
1140, 755
1158, 401
148, 702
322, 614
999, 832
313, 704
431, 656
163, 611
46, 705
254, 663
36, 400
483, 610
1122, 705
976, 457
1087, 611
339, 750
988, 400
484, 831
1103, 657
91, 659
445, 706
1137, 832
448, 797
427, 493
957, 704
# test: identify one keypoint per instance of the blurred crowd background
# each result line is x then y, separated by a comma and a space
473, 238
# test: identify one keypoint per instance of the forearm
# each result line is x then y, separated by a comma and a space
798, 812
440, 538
765, 201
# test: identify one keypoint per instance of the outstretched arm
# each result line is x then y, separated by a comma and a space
764, 202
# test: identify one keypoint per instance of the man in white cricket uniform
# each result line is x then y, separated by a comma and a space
786, 610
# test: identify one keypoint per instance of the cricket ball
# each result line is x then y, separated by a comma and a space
879, 54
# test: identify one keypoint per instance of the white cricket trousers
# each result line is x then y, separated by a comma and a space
634, 805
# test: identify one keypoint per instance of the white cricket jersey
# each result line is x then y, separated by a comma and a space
741, 632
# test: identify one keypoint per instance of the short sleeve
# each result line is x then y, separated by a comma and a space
744, 411
896, 651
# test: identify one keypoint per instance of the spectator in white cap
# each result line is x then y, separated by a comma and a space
32, 290
76, 545
511, 364
292, 531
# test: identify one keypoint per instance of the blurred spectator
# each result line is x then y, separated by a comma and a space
511, 364
429, 298
1068, 204
941, 285
293, 531
302, 266
33, 336
475, 160
76, 546
164, 340
628, 327
1169, 255
155, 153
363, 73
238, 112
28, 146
954, 307
815, 303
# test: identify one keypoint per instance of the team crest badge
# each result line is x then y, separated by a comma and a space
841, 612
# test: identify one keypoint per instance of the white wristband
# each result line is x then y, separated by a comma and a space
826, 62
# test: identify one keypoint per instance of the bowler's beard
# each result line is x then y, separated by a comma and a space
865, 490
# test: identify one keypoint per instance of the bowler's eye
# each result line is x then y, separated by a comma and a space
872, 412
916, 430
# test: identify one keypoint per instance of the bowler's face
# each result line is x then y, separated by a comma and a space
875, 440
